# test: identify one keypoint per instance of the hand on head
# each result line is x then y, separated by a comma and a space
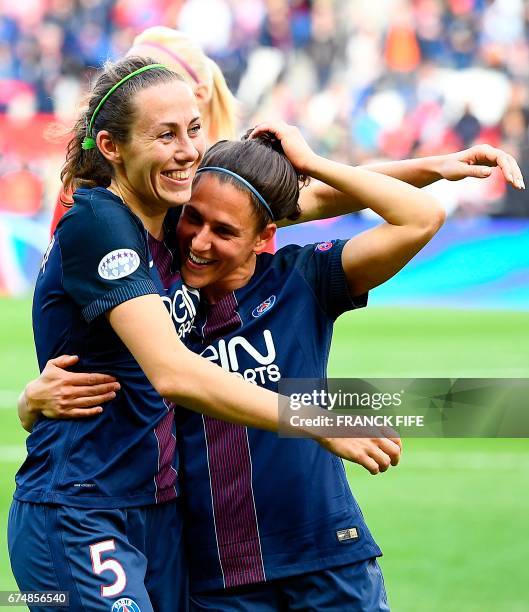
295, 147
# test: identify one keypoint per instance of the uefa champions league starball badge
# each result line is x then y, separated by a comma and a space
118, 263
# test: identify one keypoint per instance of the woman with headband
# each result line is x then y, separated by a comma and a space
270, 522
181, 54
96, 509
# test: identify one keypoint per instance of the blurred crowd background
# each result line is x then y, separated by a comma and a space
364, 79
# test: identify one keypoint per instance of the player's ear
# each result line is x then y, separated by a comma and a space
108, 148
201, 94
264, 238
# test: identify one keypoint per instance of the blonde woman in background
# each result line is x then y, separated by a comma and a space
181, 54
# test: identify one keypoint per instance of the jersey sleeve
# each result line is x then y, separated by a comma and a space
105, 258
321, 266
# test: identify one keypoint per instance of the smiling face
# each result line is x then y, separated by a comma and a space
218, 237
157, 165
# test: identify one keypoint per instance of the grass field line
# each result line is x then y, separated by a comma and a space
8, 399
13, 453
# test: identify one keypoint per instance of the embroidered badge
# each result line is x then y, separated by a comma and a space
344, 535
125, 605
118, 264
324, 246
264, 306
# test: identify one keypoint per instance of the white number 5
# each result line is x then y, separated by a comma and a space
110, 565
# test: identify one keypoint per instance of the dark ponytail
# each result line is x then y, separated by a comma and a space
263, 163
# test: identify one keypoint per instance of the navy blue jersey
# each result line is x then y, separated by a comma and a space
260, 507
97, 259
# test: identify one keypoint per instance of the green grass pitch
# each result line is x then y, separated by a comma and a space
452, 518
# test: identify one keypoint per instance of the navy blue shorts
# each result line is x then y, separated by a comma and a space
358, 587
108, 560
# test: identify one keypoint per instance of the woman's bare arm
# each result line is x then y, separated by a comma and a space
411, 215
193, 382
321, 201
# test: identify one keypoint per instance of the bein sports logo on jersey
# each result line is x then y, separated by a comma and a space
125, 605
324, 246
239, 356
264, 306
182, 307
118, 264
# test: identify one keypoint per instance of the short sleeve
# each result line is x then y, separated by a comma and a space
104, 253
321, 266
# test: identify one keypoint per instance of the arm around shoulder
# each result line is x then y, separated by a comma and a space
192, 381
183, 377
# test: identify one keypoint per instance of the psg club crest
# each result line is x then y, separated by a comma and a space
125, 605
264, 306
324, 246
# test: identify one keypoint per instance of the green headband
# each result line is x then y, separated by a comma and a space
89, 141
